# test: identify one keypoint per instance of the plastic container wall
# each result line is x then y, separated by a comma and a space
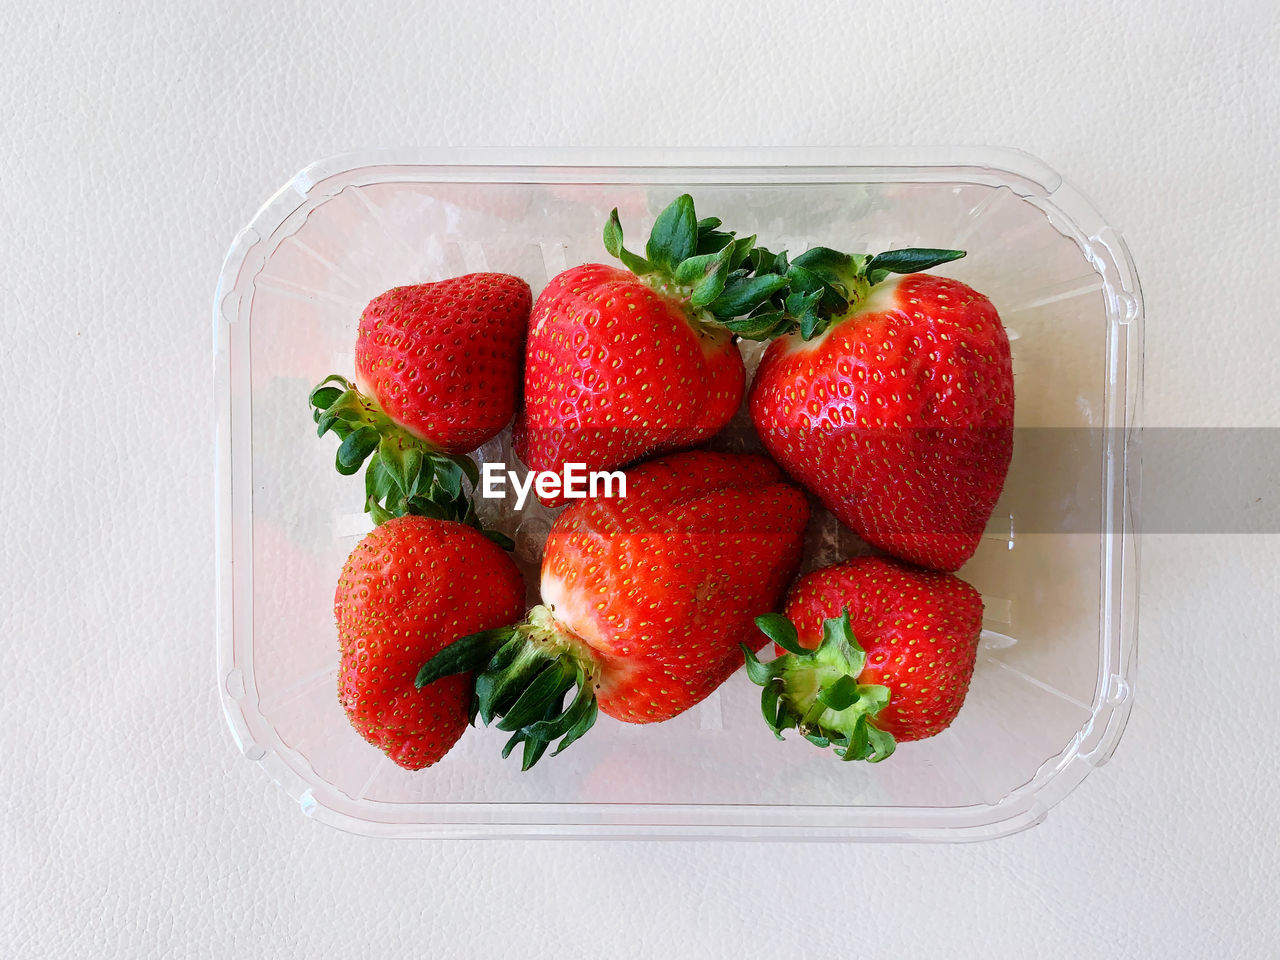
1053, 684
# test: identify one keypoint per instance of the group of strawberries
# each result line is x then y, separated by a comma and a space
886, 393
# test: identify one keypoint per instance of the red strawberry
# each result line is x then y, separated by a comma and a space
899, 415
437, 373
616, 370
410, 588
443, 359
646, 599
621, 364
872, 651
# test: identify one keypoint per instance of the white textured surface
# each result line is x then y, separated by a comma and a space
139, 137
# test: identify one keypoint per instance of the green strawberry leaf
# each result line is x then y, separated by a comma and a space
426, 507
770, 701
805, 308
858, 740
515, 739
743, 296
323, 388
713, 242
469, 468
346, 409
402, 463
556, 726
818, 739
463, 655
824, 261
675, 235
840, 271
757, 671
710, 239
912, 260
375, 510
581, 727
523, 677
817, 691
762, 261
324, 397
403, 474
501, 539
613, 243
548, 687
448, 475
742, 248
695, 268
881, 744
378, 483
613, 234
355, 449
765, 325
839, 646
804, 280
840, 695
533, 750
781, 631
712, 283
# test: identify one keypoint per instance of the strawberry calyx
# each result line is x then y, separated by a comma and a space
726, 280
524, 675
817, 692
694, 262
405, 475
824, 284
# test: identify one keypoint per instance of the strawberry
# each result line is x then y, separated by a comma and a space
409, 588
646, 600
872, 651
621, 364
898, 413
437, 372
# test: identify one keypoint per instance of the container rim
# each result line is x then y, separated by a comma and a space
1027, 176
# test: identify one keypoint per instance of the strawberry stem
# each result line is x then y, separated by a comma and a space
404, 474
758, 295
525, 672
824, 284
817, 693
697, 263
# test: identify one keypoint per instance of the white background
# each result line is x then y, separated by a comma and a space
138, 137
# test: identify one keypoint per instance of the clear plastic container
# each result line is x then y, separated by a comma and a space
1053, 685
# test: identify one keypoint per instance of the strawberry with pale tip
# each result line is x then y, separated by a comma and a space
645, 600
